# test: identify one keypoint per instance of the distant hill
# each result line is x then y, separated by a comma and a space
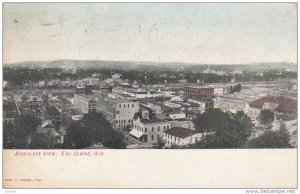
153, 66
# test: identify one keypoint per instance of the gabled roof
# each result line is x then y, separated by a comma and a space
52, 111
284, 104
180, 132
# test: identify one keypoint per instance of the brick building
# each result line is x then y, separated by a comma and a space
202, 94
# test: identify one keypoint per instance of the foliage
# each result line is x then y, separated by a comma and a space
160, 143
235, 88
17, 76
93, 128
8, 135
25, 125
271, 139
228, 130
266, 117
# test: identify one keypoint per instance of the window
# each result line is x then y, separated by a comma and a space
152, 137
124, 105
164, 127
157, 137
119, 105
157, 128
145, 129
132, 105
129, 121
167, 127
152, 129
128, 105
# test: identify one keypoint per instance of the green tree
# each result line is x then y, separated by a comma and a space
8, 135
228, 130
211, 120
25, 125
271, 139
39, 141
92, 129
160, 143
77, 136
266, 117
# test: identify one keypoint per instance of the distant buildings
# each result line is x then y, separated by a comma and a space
116, 76
84, 103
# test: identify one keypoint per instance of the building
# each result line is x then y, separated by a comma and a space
84, 103
116, 76
51, 113
230, 103
120, 112
201, 94
10, 111
284, 108
218, 91
149, 130
124, 113
179, 136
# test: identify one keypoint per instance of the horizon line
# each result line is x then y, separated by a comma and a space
161, 62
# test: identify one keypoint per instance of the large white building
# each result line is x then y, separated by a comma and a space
119, 112
84, 103
149, 130
230, 103
124, 113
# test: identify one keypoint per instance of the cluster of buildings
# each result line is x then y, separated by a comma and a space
46, 107
149, 115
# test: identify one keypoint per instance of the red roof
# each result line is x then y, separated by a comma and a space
284, 104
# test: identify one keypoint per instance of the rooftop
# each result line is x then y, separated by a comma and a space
52, 111
284, 104
180, 132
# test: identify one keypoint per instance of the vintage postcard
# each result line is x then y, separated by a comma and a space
150, 95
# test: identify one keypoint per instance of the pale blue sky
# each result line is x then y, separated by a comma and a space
198, 33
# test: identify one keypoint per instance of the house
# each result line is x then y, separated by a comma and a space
51, 113
283, 107
180, 136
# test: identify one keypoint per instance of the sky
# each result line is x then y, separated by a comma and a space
211, 33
